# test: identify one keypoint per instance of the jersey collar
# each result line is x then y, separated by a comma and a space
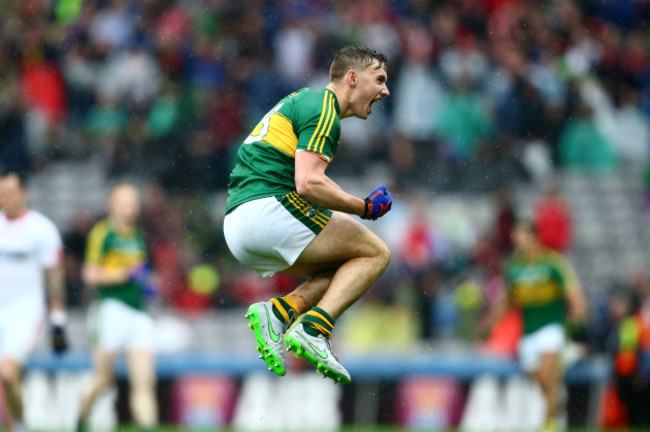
122, 230
336, 102
20, 215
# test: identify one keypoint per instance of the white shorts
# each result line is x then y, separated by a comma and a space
21, 327
548, 339
117, 327
264, 236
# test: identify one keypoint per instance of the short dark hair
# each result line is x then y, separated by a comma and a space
355, 56
20, 175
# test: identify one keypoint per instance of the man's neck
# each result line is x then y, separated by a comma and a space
16, 214
121, 225
342, 98
532, 254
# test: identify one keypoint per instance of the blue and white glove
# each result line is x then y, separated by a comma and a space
141, 275
378, 203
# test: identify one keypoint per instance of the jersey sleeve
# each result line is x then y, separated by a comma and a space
318, 126
565, 272
50, 251
95, 245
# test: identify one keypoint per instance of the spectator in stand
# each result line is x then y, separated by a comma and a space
44, 95
583, 145
74, 240
618, 309
112, 25
630, 343
504, 221
630, 131
464, 120
417, 91
14, 155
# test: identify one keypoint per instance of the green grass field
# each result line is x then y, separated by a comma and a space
360, 429
345, 429
349, 428
170, 428
377, 429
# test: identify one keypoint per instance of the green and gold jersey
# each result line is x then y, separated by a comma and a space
305, 120
538, 287
109, 248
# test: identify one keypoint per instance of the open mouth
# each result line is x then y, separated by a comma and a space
372, 102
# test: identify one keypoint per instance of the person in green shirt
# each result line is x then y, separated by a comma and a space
543, 286
285, 215
116, 267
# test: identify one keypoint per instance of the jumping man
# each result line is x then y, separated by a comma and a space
285, 215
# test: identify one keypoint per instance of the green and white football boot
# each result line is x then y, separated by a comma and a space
269, 333
317, 350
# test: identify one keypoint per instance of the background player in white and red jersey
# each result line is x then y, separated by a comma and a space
30, 259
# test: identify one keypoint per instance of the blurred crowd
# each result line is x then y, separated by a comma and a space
166, 89
486, 95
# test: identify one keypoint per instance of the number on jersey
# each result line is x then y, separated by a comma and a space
262, 127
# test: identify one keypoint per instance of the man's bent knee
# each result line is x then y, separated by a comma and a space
383, 255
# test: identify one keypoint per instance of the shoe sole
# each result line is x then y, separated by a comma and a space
272, 360
322, 368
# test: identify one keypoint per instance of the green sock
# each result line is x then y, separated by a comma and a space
284, 309
317, 321
82, 425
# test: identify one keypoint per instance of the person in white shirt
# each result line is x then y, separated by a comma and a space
31, 257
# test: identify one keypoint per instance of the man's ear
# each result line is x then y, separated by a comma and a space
351, 78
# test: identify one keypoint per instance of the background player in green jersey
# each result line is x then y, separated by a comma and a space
285, 215
115, 266
542, 284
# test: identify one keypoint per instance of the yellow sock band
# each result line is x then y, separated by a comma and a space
281, 309
321, 317
292, 304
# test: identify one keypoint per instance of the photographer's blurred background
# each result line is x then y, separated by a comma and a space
500, 109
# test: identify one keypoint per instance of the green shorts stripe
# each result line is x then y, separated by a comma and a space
313, 217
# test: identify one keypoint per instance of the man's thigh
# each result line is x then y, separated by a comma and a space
343, 238
263, 235
550, 365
